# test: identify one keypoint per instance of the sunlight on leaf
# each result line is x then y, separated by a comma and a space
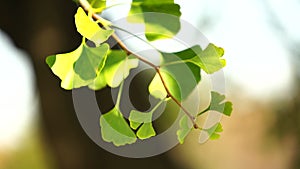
89, 60
97, 4
218, 104
118, 66
144, 121
184, 130
90, 29
209, 59
157, 89
180, 77
162, 22
98, 83
115, 129
214, 131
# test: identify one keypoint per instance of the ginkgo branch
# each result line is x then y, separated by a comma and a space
87, 7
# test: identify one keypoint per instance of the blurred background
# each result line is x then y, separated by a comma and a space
39, 128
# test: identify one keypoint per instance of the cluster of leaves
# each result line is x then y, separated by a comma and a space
101, 66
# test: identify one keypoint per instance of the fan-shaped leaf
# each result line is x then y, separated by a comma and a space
115, 129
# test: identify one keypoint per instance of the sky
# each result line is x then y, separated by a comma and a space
257, 57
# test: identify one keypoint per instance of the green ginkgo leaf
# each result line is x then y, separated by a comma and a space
98, 83
79, 67
214, 131
146, 131
161, 17
97, 4
90, 29
180, 77
185, 128
115, 129
118, 66
218, 103
144, 121
181, 70
91, 61
210, 59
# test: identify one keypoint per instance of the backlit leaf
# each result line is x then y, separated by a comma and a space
118, 66
214, 131
115, 129
144, 121
161, 17
180, 76
78, 68
182, 70
209, 59
218, 104
184, 130
97, 4
90, 29
91, 61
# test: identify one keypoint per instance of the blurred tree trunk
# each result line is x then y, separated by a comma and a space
43, 28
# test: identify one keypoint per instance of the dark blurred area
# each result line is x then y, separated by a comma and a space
42, 28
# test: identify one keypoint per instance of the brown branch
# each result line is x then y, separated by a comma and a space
192, 118
87, 7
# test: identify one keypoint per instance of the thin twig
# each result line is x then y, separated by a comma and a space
87, 7
192, 118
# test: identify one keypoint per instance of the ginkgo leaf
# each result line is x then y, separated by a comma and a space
161, 17
157, 89
214, 131
209, 59
180, 78
183, 68
115, 129
184, 130
218, 104
90, 29
144, 121
146, 131
118, 66
97, 4
91, 61
65, 65
98, 83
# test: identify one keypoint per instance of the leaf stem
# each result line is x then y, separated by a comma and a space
191, 117
204, 111
157, 105
174, 63
119, 96
124, 30
87, 7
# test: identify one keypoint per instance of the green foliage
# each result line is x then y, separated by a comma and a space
164, 25
184, 130
118, 66
115, 129
144, 121
90, 29
214, 131
177, 75
218, 104
78, 68
181, 70
98, 4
